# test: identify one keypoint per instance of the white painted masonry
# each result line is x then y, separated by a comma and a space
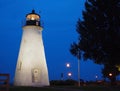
31, 68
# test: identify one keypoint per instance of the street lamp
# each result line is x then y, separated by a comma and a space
111, 78
78, 56
110, 74
69, 74
96, 77
68, 65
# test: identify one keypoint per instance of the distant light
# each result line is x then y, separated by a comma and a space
96, 76
69, 74
110, 74
68, 65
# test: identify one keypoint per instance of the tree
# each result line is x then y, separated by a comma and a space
99, 32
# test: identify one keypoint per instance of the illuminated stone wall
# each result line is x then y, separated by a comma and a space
31, 69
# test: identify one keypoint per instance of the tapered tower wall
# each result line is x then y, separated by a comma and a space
31, 68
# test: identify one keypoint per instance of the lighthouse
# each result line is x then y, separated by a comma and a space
31, 68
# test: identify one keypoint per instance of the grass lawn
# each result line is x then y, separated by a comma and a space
66, 88
100, 88
31, 89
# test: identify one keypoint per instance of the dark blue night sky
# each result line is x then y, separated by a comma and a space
59, 17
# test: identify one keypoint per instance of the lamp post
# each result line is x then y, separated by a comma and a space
62, 75
96, 77
78, 69
68, 73
111, 78
78, 72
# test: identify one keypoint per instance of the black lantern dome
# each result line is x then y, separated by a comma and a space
33, 19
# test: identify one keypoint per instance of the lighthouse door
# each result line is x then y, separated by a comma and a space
36, 75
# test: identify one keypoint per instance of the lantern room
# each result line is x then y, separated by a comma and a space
33, 19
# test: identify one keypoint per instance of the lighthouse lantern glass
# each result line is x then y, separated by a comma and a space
33, 17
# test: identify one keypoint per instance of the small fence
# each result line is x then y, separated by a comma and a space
4, 82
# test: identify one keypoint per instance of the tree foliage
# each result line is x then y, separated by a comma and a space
99, 32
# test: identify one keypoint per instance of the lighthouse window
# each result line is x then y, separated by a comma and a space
33, 17
37, 23
19, 65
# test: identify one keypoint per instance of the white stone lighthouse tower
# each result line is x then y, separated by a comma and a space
31, 68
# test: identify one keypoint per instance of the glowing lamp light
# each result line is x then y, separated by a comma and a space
32, 18
68, 65
69, 74
110, 74
96, 76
